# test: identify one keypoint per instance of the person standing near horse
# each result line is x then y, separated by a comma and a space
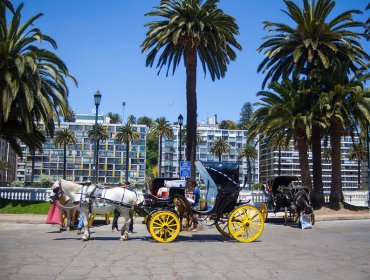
117, 213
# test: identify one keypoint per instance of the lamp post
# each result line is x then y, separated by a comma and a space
97, 98
123, 112
180, 120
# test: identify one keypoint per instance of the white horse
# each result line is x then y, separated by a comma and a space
91, 199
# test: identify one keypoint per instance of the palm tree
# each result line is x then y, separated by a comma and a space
114, 117
161, 128
278, 141
127, 134
29, 73
313, 42
358, 152
286, 109
4, 165
144, 120
249, 152
219, 147
102, 134
345, 103
131, 119
188, 30
65, 137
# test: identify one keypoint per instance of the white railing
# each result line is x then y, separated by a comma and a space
30, 194
356, 198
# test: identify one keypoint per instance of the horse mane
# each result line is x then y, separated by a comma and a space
70, 187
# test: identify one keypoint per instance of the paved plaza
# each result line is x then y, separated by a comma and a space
331, 250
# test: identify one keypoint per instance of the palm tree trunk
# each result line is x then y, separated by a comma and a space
160, 157
219, 158
359, 173
127, 159
303, 158
317, 195
249, 173
336, 194
191, 102
65, 161
279, 162
32, 167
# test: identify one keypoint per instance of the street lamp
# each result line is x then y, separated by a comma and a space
97, 98
180, 120
123, 112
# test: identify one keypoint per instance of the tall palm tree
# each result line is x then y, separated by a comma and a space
249, 152
127, 134
102, 134
278, 141
346, 104
114, 117
312, 42
358, 152
65, 137
131, 119
32, 80
188, 30
161, 128
286, 109
219, 147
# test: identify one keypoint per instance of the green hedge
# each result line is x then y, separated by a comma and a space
23, 207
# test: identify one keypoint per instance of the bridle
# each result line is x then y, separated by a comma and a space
58, 192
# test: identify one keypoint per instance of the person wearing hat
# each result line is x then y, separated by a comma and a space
127, 185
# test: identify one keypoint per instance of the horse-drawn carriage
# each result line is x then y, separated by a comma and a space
231, 217
167, 203
284, 193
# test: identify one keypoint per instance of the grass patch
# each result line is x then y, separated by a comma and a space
23, 207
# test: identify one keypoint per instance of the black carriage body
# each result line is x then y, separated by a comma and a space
282, 191
222, 194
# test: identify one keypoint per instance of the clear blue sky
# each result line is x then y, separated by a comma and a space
100, 43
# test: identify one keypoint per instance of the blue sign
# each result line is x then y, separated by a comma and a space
185, 169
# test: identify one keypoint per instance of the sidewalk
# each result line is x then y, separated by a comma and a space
40, 219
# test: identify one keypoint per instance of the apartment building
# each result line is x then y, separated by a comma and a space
80, 157
8, 155
209, 133
269, 164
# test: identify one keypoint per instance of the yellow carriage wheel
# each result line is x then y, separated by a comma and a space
164, 226
222, 225
246, 223
264, 211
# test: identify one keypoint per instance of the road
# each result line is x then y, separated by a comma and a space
331, 250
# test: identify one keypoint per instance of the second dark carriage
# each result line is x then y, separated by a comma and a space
284, 193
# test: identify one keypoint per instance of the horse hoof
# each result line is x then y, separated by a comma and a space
124, 237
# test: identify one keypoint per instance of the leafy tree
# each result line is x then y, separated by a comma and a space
358, 152
188, 30
286, 109
228, 124
127, 134
161, 128
131, 119
32, 79
219, 147
102, 134
151, 153
65, 137
145, 121
313, 42
245, 116
249, 152
114, 118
